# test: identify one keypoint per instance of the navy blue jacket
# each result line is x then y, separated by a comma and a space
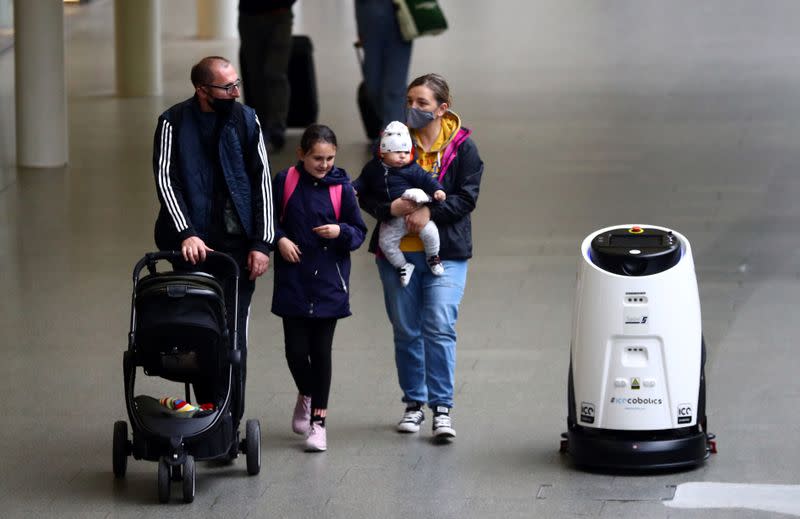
185, 177
462, 181
387, 183
319, 285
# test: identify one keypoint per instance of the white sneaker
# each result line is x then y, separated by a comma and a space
317, 439
442, 424
412, 419
405, 274
435, 263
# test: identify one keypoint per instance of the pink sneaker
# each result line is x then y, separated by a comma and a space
317, 439
302, 415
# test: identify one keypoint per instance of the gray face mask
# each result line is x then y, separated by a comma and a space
416, 118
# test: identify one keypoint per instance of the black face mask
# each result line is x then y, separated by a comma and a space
221, 106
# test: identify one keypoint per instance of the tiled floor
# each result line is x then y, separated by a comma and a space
587, 114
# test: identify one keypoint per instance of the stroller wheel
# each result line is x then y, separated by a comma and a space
177, 474
253, 446
164, 481
188, 480
120, 454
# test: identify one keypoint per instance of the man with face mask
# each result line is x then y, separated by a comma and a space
213, 182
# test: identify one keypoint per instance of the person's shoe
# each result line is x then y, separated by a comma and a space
317, 439
277, 141
412, 419
435, 263
405, 274
302, 415
443, 424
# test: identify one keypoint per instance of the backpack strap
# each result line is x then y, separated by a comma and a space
336, 199
289, 185
293, 177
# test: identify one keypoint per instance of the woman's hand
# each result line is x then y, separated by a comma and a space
402, 207
418, 219
289, 250
329, 231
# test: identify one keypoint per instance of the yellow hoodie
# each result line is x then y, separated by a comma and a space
429, 161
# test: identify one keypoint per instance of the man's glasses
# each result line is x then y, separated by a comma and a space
227, 88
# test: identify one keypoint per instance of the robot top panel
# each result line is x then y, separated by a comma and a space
635, 250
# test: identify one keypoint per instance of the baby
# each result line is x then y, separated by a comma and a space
395, 175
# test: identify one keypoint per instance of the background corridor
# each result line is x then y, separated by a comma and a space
586, 113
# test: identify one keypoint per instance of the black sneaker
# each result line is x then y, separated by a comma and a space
277, 142
412, 419
442, 424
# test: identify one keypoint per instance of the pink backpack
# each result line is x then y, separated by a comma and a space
293, 177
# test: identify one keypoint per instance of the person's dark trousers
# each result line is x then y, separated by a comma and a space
386, 58
208, 391
308, 351
266, 41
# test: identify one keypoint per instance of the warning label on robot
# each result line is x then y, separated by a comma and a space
587, 412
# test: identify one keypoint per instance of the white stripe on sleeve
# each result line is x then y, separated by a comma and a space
266, 188
164, 182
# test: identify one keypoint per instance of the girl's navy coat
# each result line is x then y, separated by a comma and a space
318, 286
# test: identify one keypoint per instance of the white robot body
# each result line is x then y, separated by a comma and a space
637, 351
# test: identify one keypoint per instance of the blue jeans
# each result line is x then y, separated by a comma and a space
386, 58
423, 317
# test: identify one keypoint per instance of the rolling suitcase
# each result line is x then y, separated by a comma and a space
366, 107
303, 99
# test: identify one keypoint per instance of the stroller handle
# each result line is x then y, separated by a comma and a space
151, 258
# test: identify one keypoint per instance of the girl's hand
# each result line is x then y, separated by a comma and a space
418, 219
329, 231
289, 250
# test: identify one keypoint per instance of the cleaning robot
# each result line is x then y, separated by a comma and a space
636, 390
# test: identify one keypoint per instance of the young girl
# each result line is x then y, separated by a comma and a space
318, 223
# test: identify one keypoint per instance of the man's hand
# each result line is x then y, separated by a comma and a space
257, 264
329, 231
194, 250
418, 219
289, 250
439, 195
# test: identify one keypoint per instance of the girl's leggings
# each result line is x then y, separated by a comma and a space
308, 352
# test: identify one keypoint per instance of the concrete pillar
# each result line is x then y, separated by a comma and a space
40, 84
6, 14
137, 39
217, 19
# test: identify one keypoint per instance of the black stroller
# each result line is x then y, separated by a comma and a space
179, 332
